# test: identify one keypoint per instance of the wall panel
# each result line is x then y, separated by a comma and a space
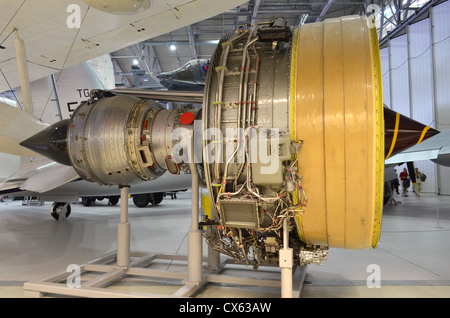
384, 56
399, 75
416, 81
441, 34
421, 77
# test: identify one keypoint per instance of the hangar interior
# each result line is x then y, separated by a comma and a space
415, 65
413, 256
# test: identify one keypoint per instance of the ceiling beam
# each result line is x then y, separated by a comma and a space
192, 43
255, 11
325, 10
181, 43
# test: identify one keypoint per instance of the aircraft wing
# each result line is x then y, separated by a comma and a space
51, 45
50, 177
435, 148
16, 126
41, 176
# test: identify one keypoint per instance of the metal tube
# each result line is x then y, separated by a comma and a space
213, 255
435, 91
195, 262
195, 188
175, 96
23, 73
240, 99
286, 262
410, 86
285, 234
123, 231
55, 93
391, 103
218, 108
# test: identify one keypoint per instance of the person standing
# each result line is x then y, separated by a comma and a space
418, 186
404, 177
395, 182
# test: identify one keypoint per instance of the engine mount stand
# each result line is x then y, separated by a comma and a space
117, 265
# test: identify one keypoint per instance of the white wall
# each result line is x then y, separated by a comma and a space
384, 56
421, 89
399, 76
441, 21
416, 82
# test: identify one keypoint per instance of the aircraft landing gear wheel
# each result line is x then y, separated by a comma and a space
156, 198
113, 200
87, 201
141, 200
60, 210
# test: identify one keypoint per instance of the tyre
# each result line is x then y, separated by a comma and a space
156, 198
113, 200
60, 208
141, 200
86, 201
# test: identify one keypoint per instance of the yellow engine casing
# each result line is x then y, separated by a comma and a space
336, 109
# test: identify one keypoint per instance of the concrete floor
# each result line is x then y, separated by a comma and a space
412, 260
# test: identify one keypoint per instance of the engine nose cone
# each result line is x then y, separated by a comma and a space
402, 132
51, 142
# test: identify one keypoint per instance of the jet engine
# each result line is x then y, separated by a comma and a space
292, 128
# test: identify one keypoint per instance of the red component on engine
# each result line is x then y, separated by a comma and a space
187, 118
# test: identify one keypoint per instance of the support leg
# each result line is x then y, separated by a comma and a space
123, 231
213, 255
23, 73
286, 263
195, 258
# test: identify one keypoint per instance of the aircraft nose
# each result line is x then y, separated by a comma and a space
51, 142
162, 75
402, 132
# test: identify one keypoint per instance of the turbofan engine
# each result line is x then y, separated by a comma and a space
292, 129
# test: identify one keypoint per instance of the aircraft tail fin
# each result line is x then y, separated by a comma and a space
73, 86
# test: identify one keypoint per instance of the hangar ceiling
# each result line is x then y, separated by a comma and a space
172, 50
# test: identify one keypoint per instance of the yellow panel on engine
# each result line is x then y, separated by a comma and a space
308, 105
338, 115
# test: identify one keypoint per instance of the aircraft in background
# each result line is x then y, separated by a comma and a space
190, 77
141, 79
436, 149
27, 174
50, 49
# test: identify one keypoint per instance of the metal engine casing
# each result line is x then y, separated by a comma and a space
120, 140
247, 89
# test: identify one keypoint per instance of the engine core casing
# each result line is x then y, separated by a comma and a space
116, 140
